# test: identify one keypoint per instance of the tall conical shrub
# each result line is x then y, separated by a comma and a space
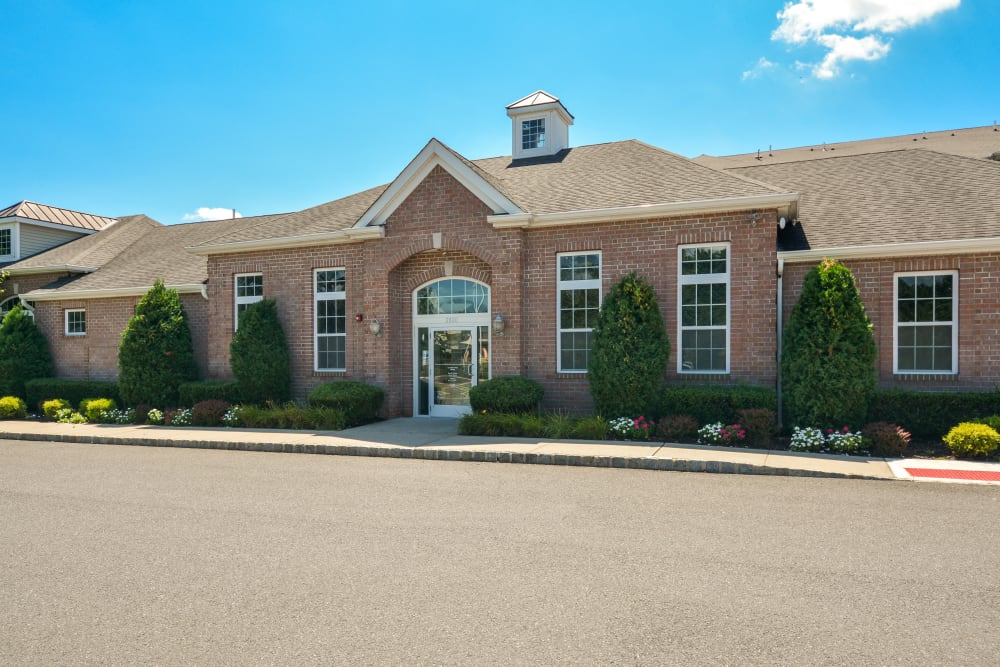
156, 354
259, 355
828, 355
629, 351
24, 352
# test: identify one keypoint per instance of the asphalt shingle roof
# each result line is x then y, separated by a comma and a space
902, 196
974, 142
136, 252
624, 173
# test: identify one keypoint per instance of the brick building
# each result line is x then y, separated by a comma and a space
460, 270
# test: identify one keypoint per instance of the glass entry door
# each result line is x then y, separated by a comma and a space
458, 357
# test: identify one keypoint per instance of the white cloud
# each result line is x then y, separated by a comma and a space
206, 213
843, 49
762, 66
851, 29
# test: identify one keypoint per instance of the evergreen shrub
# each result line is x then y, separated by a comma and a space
928, 415
629, 351
506, 394
971, 440
828, 353
156, 354
190, 393
24, 352
259, 355
13, 407
73, 391
359, 402
715, 403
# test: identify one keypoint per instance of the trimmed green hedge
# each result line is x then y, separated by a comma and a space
74, 391
506, 394
715, 403
929, 415
209, 390
358, 401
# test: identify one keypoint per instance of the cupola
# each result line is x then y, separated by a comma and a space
540, 125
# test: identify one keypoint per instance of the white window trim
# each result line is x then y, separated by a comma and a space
705, 278
575, 285
66, 314
14, 242
244, 300
327, 296
896, 324
519, 150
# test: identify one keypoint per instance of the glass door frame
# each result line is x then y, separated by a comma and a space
476, 323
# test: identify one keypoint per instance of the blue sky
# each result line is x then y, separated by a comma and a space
165, 108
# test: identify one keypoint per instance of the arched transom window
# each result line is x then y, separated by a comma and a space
453, 296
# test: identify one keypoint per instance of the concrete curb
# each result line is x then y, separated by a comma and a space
450, 454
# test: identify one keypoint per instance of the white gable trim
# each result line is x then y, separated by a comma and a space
434, 154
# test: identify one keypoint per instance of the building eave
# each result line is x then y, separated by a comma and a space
878, 251
784, 202
341, 236
110, 293
54, 268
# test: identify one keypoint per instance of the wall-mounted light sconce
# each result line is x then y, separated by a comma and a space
375, 327
498, 325
360, 317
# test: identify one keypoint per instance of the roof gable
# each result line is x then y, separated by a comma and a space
436, 154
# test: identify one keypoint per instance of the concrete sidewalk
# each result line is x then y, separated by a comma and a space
437, 439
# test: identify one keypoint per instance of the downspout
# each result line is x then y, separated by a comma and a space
778, 332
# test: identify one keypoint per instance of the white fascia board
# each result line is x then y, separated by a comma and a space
77, 295
55, 268
341, 236
432, 155
533, 220
953, 247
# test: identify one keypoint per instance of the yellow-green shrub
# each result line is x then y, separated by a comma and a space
94, 408
12, 407
50, 408
969, 439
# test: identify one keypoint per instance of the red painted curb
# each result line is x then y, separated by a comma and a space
975, 475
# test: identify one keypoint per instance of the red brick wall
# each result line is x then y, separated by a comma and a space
94, 356
649, 247
979, 315
520, 268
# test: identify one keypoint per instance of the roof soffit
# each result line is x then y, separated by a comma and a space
435, 154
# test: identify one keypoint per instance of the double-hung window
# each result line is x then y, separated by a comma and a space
6, 243
329, 296
703, 283
927, 322
579, 288
249, 288
76, 322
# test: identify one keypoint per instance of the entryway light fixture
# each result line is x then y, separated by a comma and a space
375, 327
498, 325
